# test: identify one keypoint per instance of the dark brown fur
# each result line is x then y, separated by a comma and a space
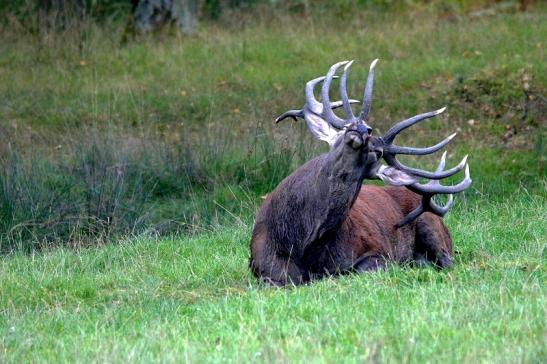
367, 240
321, 220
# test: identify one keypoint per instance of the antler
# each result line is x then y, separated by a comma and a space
327, 114
326, 125
323, 109
390, 150
312, 103
433, 187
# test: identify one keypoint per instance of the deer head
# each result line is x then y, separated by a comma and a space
355, 135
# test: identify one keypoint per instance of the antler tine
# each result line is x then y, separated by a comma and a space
402, 125
320, 108
428, 190
421, 151
392, 150
294, 114
290, 114
431, 206
344, 92
442, 163
315, 105
434, 187
441, 210
367, 98
327, 112
392, 161
311, 103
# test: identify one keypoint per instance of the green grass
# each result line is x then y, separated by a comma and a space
261, 71
194, 300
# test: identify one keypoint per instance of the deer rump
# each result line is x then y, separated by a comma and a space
321, 220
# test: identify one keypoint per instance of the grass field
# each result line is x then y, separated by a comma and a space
194, 300
130, 174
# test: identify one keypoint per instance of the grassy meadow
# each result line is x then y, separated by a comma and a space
193, 300
131, 170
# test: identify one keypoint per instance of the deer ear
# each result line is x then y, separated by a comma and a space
394, 177
321, 129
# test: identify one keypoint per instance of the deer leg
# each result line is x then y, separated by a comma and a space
420, 260
433, 242
284, 272
369, 263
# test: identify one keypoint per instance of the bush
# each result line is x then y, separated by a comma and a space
100, 183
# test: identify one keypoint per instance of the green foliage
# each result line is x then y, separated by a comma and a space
100, 184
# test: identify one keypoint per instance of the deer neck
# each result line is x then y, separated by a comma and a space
341, 176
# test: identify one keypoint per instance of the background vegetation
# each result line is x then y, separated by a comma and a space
169, 133
164, 144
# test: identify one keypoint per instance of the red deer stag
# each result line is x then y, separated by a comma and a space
321, 220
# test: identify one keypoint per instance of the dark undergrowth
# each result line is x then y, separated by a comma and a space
98, 184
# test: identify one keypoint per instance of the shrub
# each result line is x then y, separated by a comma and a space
103, 182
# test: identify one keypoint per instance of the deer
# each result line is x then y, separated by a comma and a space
321, 220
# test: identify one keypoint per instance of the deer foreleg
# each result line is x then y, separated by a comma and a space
369, 263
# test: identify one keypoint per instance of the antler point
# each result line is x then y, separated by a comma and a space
348, 65
440, 111
373, 64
